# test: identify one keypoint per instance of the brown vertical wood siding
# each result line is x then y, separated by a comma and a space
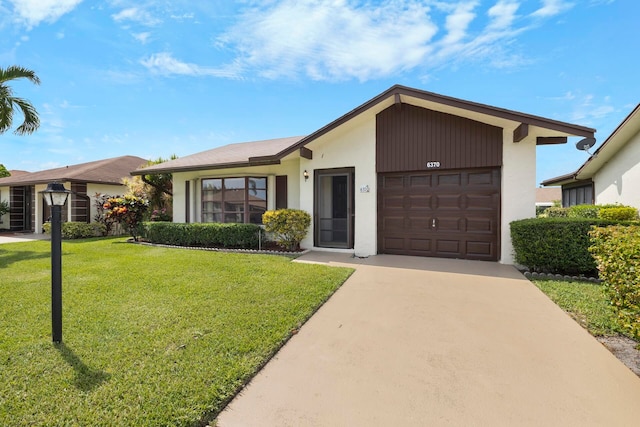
407, 137
79, 202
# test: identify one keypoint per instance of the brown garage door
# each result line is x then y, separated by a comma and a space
448, 214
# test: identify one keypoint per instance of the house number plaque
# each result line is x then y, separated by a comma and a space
432, 165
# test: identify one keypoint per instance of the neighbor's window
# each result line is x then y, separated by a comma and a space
241, 199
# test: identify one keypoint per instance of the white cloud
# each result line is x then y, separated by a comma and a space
33, 12
164, 63
333, 39
551, 8
136, 14
503, 14
142, 37
458, 22
588, 109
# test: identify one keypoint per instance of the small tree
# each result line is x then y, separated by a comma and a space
4, 172
289, 226
4, 207
128, 211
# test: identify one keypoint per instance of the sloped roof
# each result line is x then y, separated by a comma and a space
239, 154
625, 131
266, 152
107, 171
547, 195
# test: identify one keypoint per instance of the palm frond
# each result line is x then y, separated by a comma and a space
31, 120
14, 72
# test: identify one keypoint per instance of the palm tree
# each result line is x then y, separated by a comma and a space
9, 103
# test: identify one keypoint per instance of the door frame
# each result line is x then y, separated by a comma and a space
349, 172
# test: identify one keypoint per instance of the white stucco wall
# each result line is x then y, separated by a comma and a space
518, 198
618, 181
290, 167
106, 189
350, 145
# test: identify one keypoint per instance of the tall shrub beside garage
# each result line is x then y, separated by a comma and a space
554, 245
617, 252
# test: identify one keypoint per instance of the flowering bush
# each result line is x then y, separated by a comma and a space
128, 211
161, 215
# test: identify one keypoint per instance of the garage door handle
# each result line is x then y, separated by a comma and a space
433, 223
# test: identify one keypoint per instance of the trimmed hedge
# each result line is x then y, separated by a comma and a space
78, 230
555, 245
617, 251
583, 211
618, 213
209, 235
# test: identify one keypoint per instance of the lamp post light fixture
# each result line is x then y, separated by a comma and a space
56, 197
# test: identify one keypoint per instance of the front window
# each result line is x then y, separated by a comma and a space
239, 200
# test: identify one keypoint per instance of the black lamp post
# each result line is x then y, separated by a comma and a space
56, 196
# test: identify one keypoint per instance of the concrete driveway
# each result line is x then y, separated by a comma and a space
8, 237
430, 342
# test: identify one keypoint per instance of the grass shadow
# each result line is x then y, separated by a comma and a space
86, 378
10, 257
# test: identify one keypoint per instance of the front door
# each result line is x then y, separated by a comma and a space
334, 208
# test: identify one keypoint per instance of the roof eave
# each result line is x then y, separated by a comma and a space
253, 161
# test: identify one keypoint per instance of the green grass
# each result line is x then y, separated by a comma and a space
152, 336
585, 302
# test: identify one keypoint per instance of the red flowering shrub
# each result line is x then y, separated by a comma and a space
128, 211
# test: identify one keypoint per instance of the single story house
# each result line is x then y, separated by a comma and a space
408, 172
611, 174
28, 210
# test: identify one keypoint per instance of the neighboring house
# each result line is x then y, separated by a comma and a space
612, 174
546, 197
408, 172
28, 209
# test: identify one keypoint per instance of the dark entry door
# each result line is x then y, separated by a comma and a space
21, 208
447, 214
334, 208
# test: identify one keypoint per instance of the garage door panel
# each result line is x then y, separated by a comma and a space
481, 201
448, 180
480, 249
481, 178
465, 205
448, 201
423, 245
420, 180
422, 201
480, 225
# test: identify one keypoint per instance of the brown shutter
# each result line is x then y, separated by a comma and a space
281, 192
187, 202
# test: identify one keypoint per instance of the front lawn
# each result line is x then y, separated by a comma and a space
585, 302
152, 336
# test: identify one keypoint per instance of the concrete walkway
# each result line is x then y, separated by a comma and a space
7, 237
431, 342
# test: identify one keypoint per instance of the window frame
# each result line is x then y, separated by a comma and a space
246, 205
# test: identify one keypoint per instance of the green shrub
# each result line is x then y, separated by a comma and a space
556, 212
289, 226
583, 211
618, 213
554, 245
617, 252
210, 235
4, 207
78, 230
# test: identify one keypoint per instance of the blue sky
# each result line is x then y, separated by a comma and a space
154, 78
